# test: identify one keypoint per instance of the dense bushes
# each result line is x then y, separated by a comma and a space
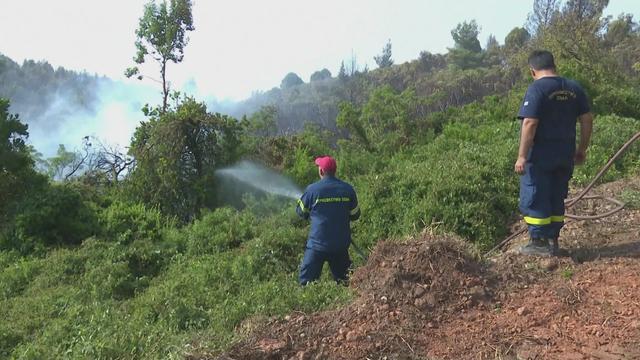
146, 299
462, 182
56, 215
125, 222
216, 231
609, 134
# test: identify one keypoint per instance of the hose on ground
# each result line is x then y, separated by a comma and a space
582, 196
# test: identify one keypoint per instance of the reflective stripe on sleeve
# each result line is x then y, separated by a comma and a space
301, 204
559, 218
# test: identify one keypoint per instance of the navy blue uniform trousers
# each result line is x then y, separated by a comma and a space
543, 188
313, 260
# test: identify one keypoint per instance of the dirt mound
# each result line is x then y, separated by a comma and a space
404, 291
432, 274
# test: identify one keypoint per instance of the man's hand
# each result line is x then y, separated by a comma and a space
580, 157
519, 166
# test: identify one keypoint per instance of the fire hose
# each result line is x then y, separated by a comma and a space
582, 196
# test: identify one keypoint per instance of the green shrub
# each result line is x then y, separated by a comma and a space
56, 216
8, 258
17, 277
621, 101
631, 198
218, 230
25, 319
62, 267
298, 161
125, 222
609, 134
462, 182
115, 271
113, 280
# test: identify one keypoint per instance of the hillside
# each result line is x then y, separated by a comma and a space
149, 253
34, 87
430, 297
438, 86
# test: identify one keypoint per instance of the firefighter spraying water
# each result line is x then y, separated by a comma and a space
330, 204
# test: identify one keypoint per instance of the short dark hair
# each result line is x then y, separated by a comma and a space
541, 60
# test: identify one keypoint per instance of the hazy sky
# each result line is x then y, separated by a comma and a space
240, 45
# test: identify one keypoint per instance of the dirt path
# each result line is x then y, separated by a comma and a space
429, 298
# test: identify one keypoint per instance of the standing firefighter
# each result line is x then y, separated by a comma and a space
548, 151
330, 204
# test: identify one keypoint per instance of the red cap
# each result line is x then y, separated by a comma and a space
326, 163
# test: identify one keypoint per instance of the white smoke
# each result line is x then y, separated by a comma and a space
112, 117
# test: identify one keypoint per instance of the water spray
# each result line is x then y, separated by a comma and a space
262, 178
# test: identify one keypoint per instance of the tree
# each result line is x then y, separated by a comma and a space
18, 179
177, 154
575, 37
352, 79
320, 75
516, 39
161, 34
37, 90
465, 36
493, 52
386, 123
384, 59
467, 52
262, 123
352, 67
290, 80
14, 153
619, 30
110, 162
543, 14
342, 73
65, 163
584, 10
622, 39
15, 162
430, 62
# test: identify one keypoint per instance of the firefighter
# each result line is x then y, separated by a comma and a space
547, 152
330, 204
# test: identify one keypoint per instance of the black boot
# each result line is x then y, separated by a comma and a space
554, 247
536, 247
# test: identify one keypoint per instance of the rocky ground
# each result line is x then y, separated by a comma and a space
434, 298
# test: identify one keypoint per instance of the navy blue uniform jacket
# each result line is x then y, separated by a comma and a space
330, 204
556, 102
